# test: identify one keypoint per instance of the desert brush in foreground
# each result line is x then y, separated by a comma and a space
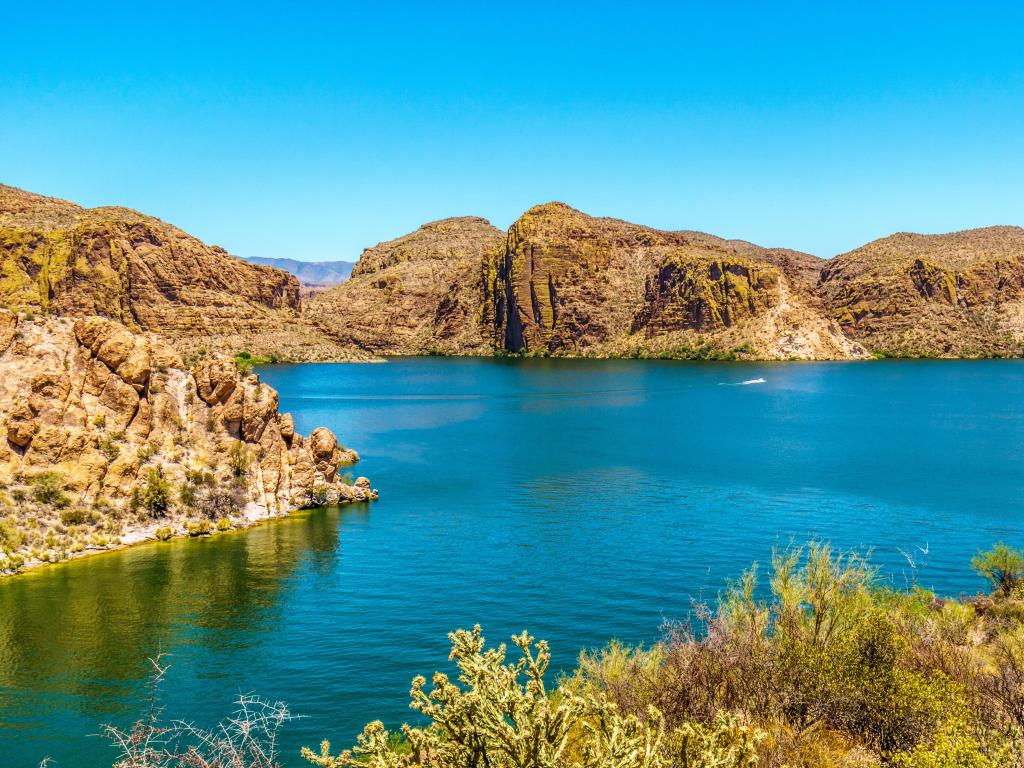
832, 668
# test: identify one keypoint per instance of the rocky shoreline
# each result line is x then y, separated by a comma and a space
110, 440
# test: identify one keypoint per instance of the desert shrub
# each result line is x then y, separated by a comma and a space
155, 493
197, 477
238, 459
503, 716
318, 495
1002, 566
163, 533
198, 527
951, 748
223, 524
11, 535
145, 452
243, 362
187, 495
99, 421
246, 739
218, 502
48, 488
75, 516
109, 447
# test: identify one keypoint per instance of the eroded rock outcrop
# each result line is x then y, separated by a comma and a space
568, 283
417, 294
954, 295
108, 417
59, 258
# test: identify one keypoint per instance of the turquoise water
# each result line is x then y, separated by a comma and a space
584, 500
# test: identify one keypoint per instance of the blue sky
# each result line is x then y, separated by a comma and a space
314, 130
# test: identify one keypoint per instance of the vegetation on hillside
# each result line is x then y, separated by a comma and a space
830, 668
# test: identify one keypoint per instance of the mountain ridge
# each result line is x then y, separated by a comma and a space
309, 273
557, 282
59, 258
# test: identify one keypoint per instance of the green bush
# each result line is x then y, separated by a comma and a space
48, 488
163, 533
109, 448
238, 459
155, 493
1002, 566
199, 528
75, 516
216, 503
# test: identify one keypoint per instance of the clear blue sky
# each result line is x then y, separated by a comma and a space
315, 130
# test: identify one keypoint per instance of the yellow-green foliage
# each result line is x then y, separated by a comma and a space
1002, 566
821, 666
199, 528
502, 715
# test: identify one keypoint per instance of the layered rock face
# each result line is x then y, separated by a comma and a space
418, 294
97, 419
59, 258
568, 283
953, 295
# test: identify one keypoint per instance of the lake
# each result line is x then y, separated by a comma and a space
583, 500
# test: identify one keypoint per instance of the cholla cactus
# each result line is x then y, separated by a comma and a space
501, 715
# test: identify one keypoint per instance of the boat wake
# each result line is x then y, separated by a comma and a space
741, 383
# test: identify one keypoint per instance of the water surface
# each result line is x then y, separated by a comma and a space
584, 500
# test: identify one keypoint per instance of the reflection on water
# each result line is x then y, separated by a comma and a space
75, 639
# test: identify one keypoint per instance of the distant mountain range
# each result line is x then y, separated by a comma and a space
310, 272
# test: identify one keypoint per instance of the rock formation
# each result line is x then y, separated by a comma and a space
559, 282
418, 294
954, 295
565, 283
568, 283
109, 437
59, 258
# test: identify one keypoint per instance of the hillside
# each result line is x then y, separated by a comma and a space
559, 282
57, 257
417, 294
569, 283
565, 283
952, 295
111, 440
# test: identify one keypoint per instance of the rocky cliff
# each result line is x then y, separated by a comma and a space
565, 283
108, 439
559, 282
57, 257
418, 294
568, 283
953, 295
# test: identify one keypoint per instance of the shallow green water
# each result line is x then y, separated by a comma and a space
584, 500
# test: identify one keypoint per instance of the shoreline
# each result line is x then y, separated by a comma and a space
137, 537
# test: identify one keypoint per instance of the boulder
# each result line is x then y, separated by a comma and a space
21, 426
8, 328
